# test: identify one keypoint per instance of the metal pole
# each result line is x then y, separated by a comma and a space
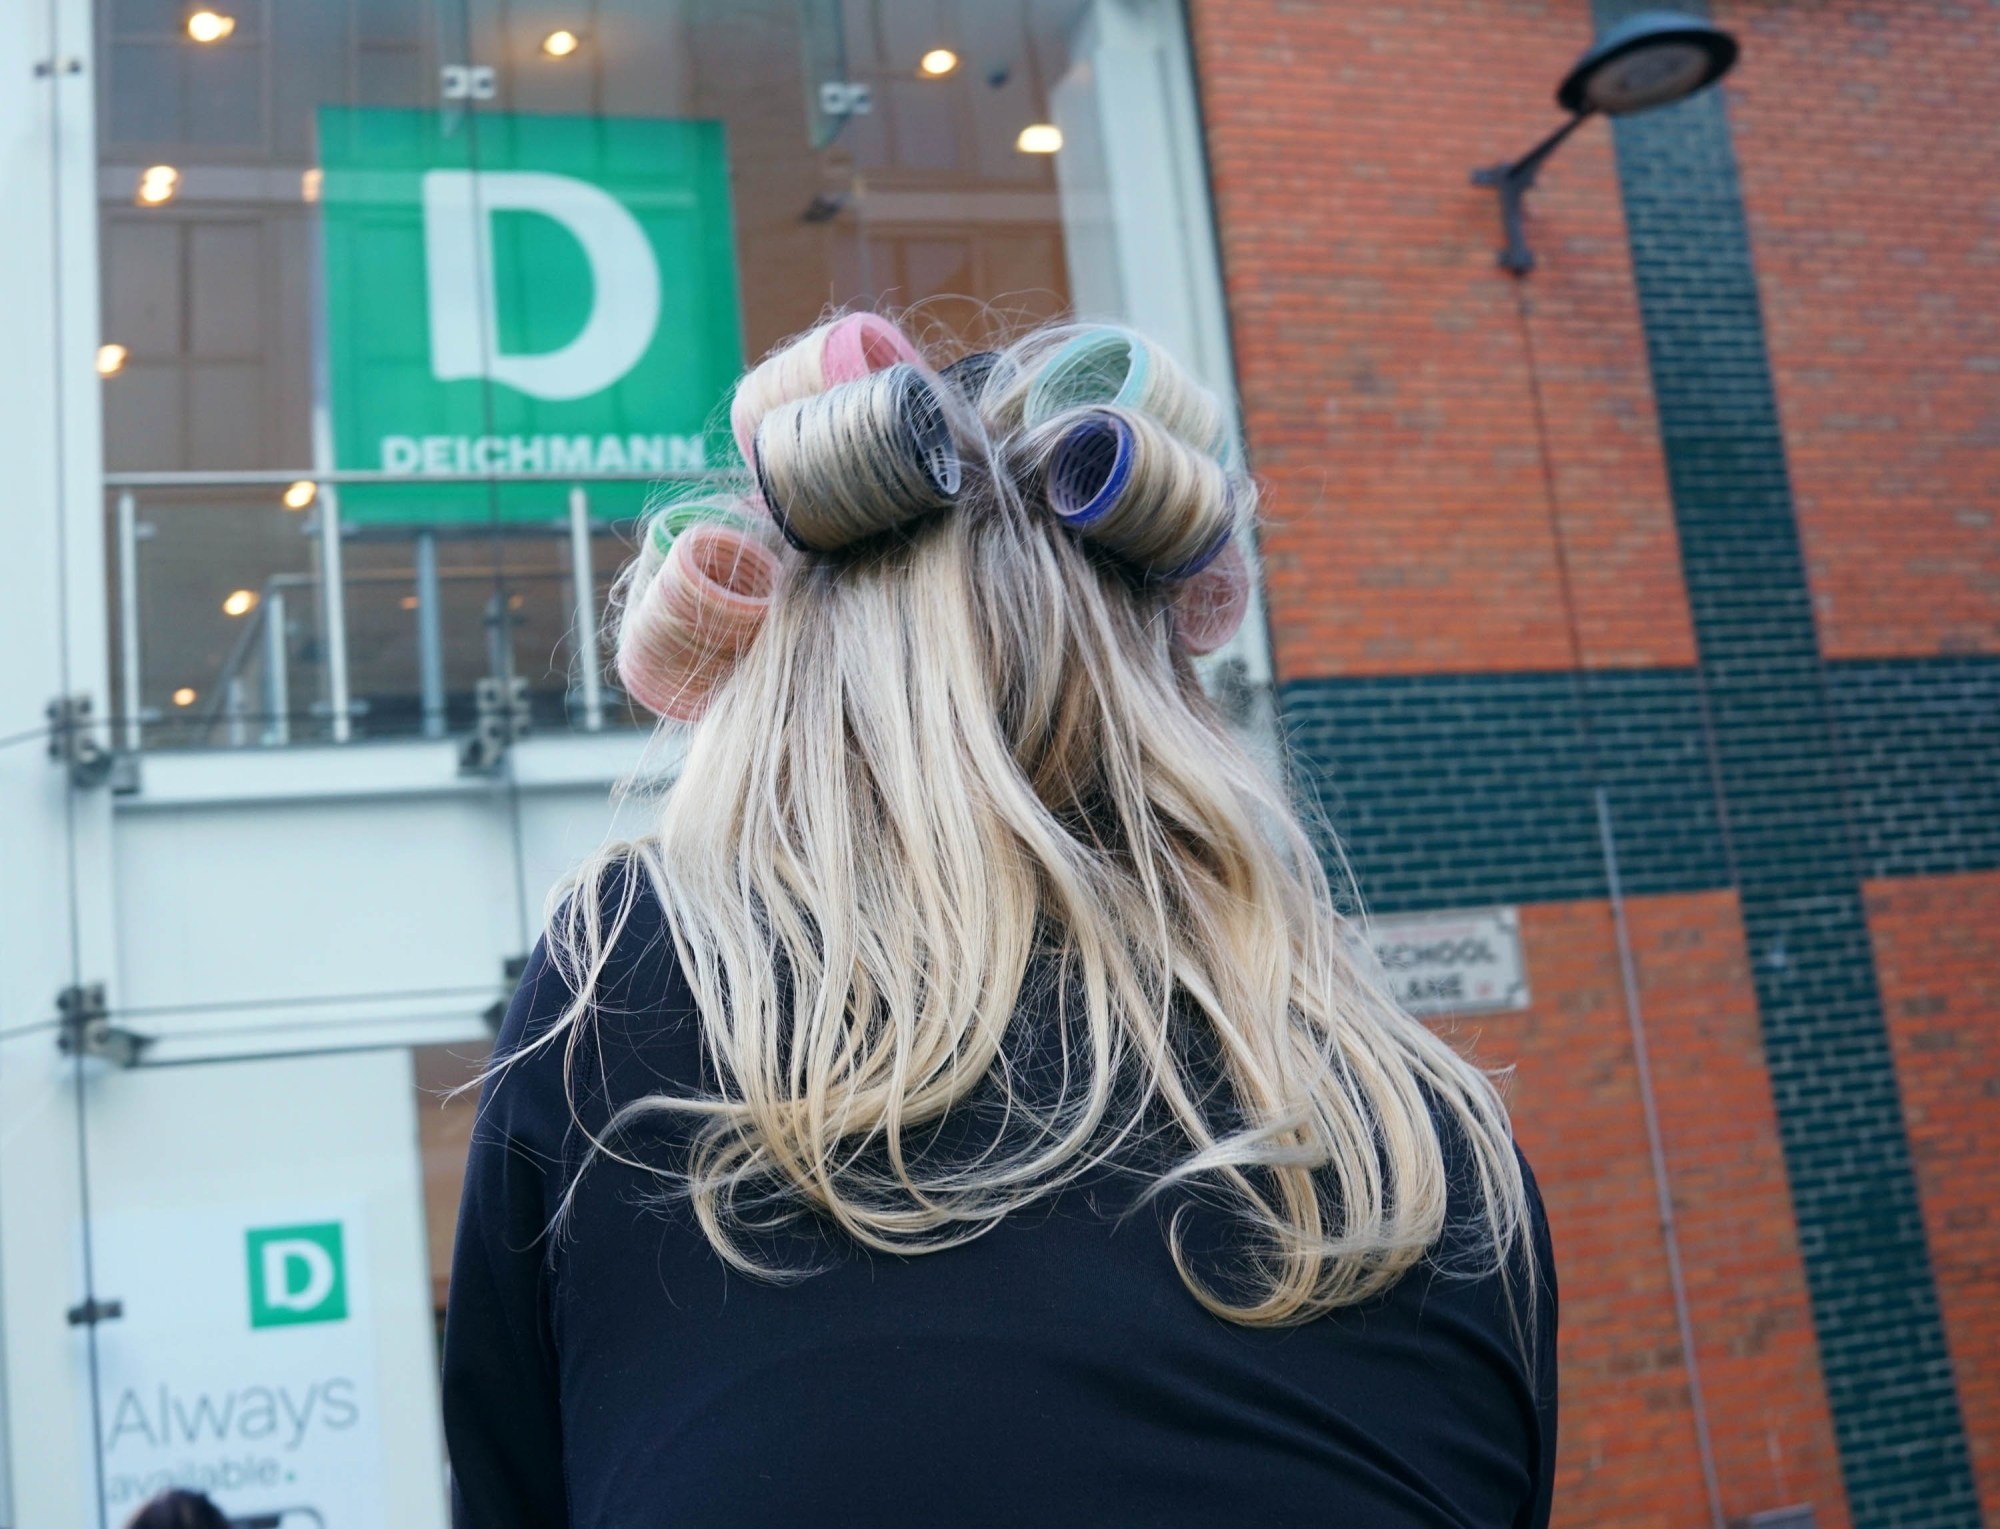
333, 606
1656, 1146
584, 577
233, 710
277, 682
430, 636
128, 618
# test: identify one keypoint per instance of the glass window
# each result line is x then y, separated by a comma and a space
516, 252
408, 307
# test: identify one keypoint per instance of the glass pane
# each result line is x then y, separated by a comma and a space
436, 298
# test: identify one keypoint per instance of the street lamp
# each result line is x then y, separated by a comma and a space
1652, 59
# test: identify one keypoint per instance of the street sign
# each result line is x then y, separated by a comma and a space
515, 294
1453, 963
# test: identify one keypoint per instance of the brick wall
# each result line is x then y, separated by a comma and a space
1941, 986
1869, 140
1627, 1453
1698, 519
1383, 368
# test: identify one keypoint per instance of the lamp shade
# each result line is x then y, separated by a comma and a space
1652, 59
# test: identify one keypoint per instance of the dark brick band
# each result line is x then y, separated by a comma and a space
1882, 1346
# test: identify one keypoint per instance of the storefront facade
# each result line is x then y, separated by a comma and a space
349, 338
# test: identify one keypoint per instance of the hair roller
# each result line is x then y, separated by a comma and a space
846, 350
684, 631
1120, 480
857, 459
685, 514
971, 375
1209, 606
1115, 366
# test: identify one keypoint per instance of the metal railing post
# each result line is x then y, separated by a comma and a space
333, 608
233, 711
277, 682
128, 618
584, 577
430, 636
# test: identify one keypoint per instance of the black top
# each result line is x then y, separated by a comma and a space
1054, 1372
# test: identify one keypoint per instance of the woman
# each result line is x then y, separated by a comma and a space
968, 1106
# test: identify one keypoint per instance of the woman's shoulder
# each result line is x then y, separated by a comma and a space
602, 1014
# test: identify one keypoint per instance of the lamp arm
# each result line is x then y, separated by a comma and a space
1524, 168
1512, 181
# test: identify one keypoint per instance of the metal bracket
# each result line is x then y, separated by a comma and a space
93, 1311
846, 98
512, 970
467, 82
85, 1028
502, 706
73, 742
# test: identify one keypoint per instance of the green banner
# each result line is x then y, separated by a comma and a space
511, 294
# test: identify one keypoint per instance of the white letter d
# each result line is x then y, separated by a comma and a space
279, 1257
458, 260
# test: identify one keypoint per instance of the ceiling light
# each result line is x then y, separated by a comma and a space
1039, 138
240, 603
110, 360
561, 44
938, 62
184, 696
310, 183
301, 494
210, 26
157, 184
409, 602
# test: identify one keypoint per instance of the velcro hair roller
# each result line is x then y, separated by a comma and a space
970, 375
1209, 606
686, 628
1122, 481
846, 350
1115, 366
857, 459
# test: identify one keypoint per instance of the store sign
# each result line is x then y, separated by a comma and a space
242, 1365
519, 295
1453, 963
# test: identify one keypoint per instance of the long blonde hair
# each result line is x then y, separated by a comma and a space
966, 752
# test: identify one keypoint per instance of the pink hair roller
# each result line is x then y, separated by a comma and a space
844, 351
1209, 606
685, 632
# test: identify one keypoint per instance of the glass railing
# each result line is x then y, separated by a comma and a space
250, 614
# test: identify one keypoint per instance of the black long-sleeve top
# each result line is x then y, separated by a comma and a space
1054, 1372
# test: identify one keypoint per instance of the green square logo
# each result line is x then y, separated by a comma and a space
297, 1274
549, 295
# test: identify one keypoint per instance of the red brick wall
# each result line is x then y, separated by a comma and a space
1386, 391
1628, 1455
1868, 138
1934, 951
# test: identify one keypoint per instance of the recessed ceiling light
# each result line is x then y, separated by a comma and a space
1039, 138
210, 26
239, 603
561, 43
111, 360
184, 696
938, 62
157, 184
301, 494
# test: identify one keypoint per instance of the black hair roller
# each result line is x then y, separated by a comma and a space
858, 459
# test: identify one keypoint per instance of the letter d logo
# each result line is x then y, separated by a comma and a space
297, 1274
458, 268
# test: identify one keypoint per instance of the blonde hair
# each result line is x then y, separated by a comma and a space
970, 749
